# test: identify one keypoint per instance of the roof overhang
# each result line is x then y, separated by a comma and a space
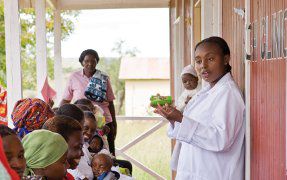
98, 4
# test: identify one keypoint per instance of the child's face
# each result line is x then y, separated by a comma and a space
90, 127
100, 165
189, 81
96, 145
14, 152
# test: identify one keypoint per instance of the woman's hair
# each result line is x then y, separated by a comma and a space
63, 125
6, 131
89, 52
90, 115
221, 43
85, 102
72, 111
83, 107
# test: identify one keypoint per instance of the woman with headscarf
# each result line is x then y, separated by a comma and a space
46, 154
29, 115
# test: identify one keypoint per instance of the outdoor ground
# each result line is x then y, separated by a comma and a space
154, 151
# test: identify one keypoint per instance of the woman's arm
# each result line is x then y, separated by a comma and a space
221, 130
113, 114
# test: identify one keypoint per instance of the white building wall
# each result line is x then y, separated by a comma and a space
138, 92
211, 18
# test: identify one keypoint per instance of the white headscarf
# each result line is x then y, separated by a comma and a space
188, 70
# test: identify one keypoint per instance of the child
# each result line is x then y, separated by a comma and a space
46, 154
96, 145
13, 149
91, 128
101, 165
103, 129
191, 86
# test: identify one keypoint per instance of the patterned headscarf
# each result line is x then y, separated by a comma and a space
30, 114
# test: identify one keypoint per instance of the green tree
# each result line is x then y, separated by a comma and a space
112, 67
28, 42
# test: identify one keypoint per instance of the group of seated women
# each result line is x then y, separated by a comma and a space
60, 143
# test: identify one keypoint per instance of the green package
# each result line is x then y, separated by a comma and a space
101, 121
161, 100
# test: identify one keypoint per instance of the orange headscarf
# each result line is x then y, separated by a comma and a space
29, 115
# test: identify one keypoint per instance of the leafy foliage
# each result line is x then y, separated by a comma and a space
28, 43
112, 67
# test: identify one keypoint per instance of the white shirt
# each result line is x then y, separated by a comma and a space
180, 105
84, 169
212, 134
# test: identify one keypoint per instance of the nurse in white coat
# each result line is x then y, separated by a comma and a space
211, 127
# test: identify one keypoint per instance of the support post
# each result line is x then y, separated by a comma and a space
41, 44
57, 56
13, 58
247, 91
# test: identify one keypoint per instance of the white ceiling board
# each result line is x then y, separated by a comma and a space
31, 4
98, 4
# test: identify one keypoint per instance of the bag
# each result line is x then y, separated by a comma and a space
97, 88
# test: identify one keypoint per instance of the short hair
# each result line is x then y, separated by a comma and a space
83, 107
90, 115
6, 131
85, 102
221, 43
89, 52
63, 125
106, 157
72, 111
96, 136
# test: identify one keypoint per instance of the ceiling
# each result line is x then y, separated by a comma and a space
98, 4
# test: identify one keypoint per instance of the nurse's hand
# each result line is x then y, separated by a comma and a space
169, 112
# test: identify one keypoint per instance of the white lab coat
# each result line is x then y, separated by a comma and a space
212, 134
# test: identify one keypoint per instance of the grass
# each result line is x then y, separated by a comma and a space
153, 152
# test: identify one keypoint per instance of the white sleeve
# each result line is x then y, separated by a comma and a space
172, 130
225, 123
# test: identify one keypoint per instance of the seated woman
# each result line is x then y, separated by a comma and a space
71, 130
46, 154
13, 149
29, 115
